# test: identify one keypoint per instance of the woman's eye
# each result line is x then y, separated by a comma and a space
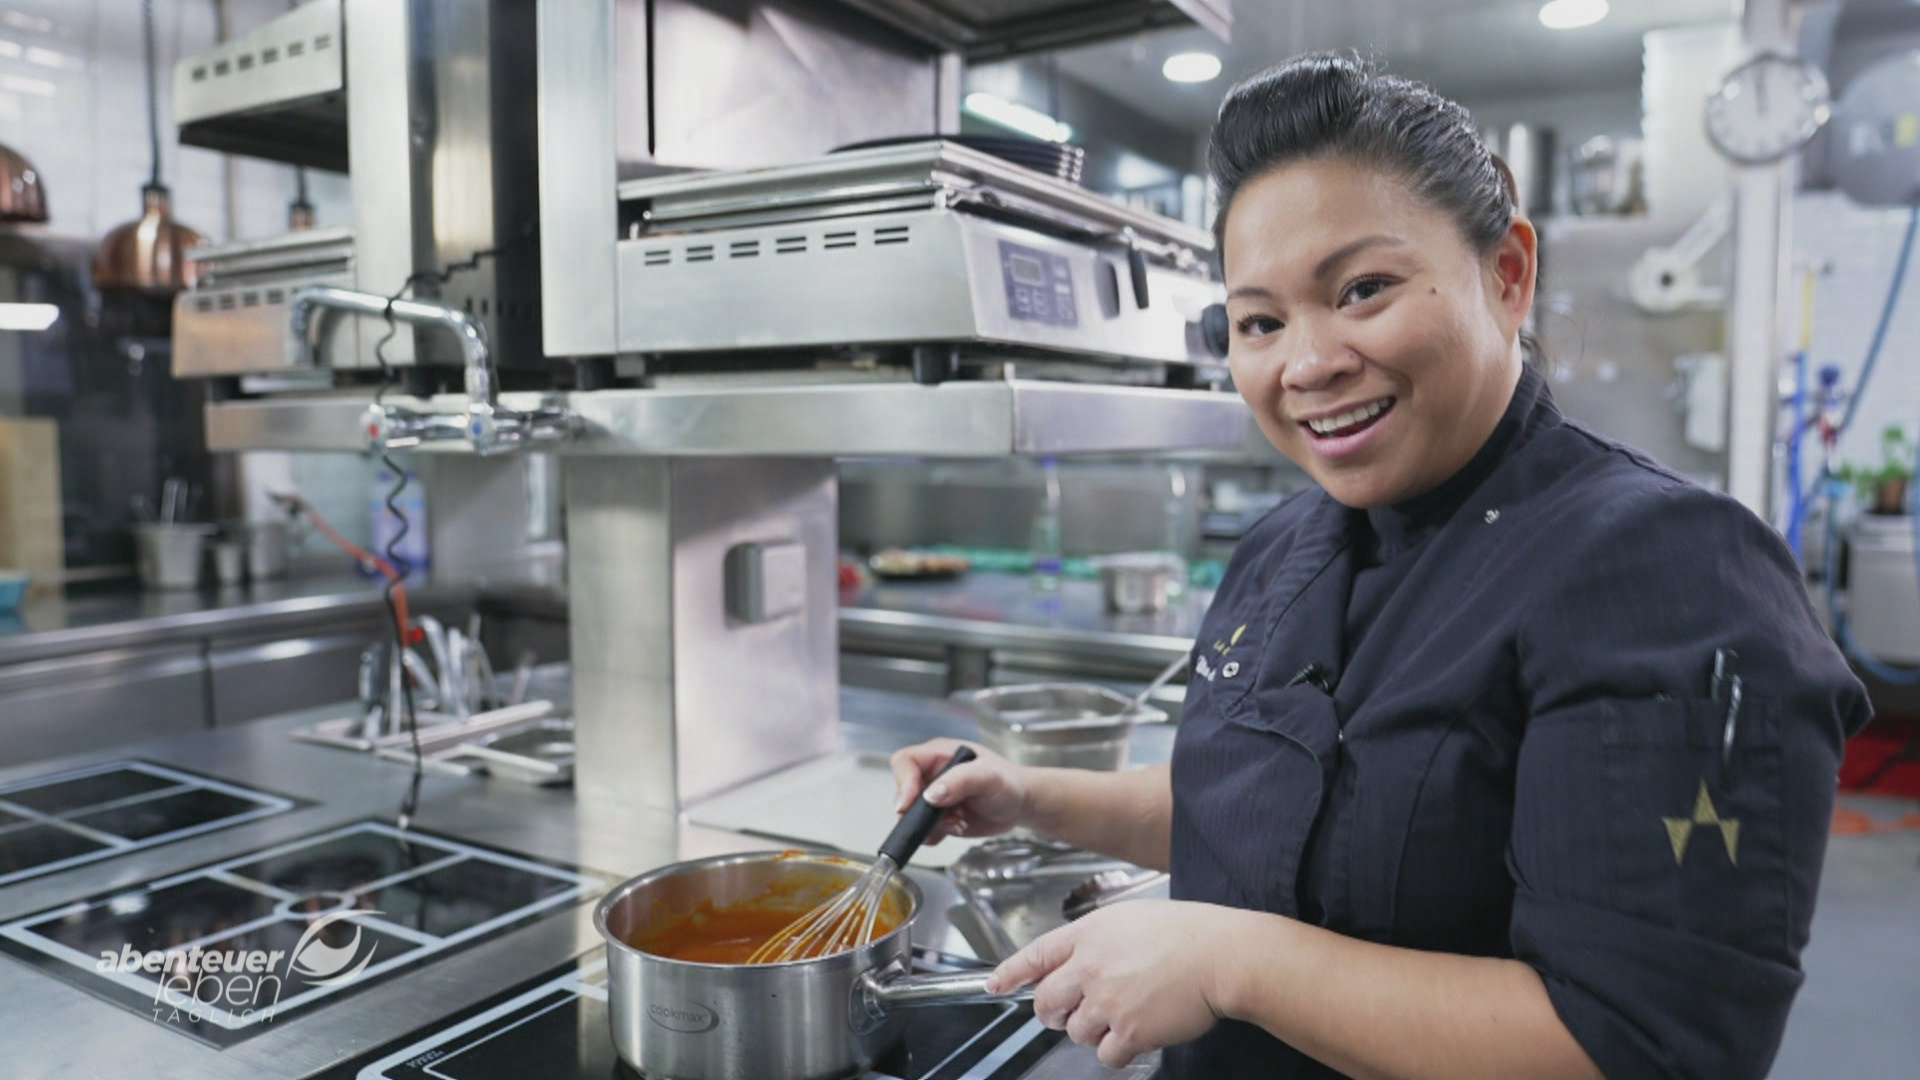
1364, 289
1257, 325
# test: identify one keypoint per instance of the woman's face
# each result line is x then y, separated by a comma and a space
1376, 347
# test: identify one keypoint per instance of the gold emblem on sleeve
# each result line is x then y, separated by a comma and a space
1680, 830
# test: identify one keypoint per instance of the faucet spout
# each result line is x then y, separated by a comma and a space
484, 422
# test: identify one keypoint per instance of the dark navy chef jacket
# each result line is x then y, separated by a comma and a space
1484, 723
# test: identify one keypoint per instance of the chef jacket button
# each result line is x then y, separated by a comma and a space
1493, 516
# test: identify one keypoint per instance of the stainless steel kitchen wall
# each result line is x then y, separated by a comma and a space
73, 100
1611, 365
1105, 507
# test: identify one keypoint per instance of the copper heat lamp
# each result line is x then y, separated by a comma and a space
148, 255
22, 196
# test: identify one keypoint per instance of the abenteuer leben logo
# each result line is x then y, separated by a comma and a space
246, 984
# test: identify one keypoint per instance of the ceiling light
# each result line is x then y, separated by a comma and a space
1022, 118
1572, 14
23, 85
1191, 67
28, 22
51, 58
27, 316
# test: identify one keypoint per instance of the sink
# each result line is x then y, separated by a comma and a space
539, 752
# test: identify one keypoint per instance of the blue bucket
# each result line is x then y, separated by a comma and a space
13, 589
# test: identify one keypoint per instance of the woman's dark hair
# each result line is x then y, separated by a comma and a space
1332, 106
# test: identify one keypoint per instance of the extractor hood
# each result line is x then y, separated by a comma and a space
277, 92
990, 29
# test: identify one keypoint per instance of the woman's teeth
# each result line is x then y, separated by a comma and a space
1357, 418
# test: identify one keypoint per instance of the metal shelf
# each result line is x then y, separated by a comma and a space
957, 419
277, 92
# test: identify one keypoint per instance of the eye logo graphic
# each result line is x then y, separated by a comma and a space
327, 965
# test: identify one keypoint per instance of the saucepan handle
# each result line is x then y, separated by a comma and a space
879, 993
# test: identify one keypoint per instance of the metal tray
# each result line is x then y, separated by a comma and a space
1014, 889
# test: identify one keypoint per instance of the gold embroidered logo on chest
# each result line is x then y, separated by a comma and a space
1224, 647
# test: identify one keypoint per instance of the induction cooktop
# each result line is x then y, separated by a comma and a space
226, 950
68, 819
554, 1027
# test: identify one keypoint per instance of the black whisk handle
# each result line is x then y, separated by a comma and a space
918, 822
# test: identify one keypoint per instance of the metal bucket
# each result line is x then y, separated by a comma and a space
170, 555
268, 543
1139, 584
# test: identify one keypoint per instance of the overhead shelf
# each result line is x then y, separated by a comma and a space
886, 419
277, 92
990, 30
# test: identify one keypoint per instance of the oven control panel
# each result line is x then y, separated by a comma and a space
1039, 285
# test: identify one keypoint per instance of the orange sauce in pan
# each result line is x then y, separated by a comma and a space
729, 935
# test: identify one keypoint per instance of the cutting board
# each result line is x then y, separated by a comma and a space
30, 526
842, 801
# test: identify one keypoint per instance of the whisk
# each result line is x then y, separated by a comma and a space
847, 920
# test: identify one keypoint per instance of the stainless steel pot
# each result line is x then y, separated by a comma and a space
806, 1020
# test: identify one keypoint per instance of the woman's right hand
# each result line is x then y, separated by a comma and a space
985, 796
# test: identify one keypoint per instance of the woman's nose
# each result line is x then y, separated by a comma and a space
1316, 361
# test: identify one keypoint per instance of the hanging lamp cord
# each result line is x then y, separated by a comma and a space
153, 95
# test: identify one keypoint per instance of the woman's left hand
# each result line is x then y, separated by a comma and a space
1131, 978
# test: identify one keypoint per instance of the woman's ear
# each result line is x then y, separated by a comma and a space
1515, 265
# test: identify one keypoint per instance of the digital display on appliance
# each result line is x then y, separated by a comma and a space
1039, 285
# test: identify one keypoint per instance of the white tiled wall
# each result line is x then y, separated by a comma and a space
73, 100
1859, 248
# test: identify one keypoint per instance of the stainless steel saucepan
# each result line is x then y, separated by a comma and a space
806, 1020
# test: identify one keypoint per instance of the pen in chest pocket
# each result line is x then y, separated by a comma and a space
1725, 688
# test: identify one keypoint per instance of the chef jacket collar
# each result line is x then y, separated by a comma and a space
1405, 525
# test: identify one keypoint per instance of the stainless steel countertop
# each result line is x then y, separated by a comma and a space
979, 610
57, 625
54, 1030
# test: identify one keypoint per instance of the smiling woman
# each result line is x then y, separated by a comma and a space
1509, 752
1377, 277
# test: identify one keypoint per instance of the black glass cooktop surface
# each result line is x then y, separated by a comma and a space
68, 819
222, 951
554, 1027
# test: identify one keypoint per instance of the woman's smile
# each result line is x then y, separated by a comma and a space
1339, 433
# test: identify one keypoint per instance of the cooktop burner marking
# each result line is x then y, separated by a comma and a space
579, 988
456, 893
68, 819
445, 1053
251, 885
1003, 1053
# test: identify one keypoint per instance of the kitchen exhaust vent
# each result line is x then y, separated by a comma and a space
986, 31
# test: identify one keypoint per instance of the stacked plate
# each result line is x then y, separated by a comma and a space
1058, 160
